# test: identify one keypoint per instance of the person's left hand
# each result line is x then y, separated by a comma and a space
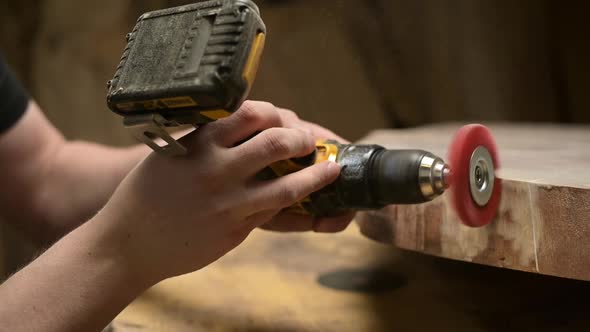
289, 222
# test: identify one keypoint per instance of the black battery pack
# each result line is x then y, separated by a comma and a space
190, 64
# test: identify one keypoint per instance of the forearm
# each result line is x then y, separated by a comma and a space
51, 185
79, 180
79, 284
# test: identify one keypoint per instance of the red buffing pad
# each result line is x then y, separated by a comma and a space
466, 141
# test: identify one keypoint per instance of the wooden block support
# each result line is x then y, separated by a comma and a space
543, 223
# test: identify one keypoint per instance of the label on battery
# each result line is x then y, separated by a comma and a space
162, 103
216, 114
177, 102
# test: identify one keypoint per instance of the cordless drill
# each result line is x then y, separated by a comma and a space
196, 63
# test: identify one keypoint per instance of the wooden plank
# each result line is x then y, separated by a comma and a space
543, 223
345, 282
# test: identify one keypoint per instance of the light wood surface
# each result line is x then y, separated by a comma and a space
346, 282
543, 222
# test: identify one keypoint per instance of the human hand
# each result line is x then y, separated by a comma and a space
171, 216
289, 222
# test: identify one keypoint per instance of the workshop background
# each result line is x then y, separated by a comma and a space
350, 65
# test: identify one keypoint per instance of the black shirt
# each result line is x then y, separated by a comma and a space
13, 98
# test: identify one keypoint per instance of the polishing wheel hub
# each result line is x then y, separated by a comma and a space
481, 176
475, 190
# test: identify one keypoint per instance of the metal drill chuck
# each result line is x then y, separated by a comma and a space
408, 176
433, 176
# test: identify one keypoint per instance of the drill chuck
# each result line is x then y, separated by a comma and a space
407, 177
433, 176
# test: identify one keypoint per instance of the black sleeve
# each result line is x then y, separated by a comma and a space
13, 98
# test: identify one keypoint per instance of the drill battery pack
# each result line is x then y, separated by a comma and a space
187, 65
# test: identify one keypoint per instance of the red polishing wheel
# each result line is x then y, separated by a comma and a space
475, 190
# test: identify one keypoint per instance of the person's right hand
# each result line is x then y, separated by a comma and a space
172, 216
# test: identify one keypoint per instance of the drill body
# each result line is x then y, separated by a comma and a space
371, 178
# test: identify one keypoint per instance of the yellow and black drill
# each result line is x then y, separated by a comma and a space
196, 63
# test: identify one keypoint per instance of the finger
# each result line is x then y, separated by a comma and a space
271, 146
333, 224
289, 189
252, 117
322, 133
262, 217
289, 222
291, 120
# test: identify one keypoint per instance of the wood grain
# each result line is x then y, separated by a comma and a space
345, 282
543, 222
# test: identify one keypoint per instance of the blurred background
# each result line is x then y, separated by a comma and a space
349, 65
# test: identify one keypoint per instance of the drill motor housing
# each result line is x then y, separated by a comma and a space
371, 178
